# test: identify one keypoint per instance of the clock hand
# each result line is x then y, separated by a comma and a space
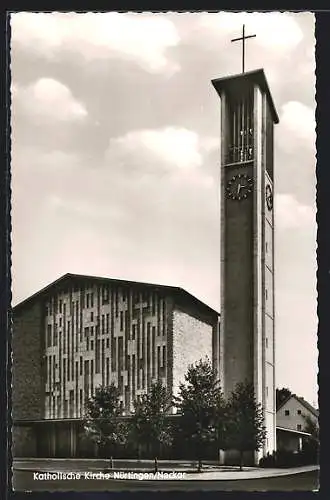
238, 189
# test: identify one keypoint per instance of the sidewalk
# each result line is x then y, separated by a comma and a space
209, 473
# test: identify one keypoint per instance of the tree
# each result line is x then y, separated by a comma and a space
102, 421
244, 429
312, 442
198, 405
149, 423
281, 396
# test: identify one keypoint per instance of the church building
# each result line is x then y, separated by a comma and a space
81, 332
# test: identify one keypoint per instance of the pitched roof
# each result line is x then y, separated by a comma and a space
70, 278
301, 400
308, 406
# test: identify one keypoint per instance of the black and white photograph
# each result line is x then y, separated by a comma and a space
164, 301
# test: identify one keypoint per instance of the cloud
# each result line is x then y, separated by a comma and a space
48, 99
141, 38
275, 31
210, 144
46, 160
169, 147
299, 120
83, 209
291, 214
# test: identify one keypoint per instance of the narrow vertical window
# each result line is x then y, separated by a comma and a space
133, 376
49, 335
55, 335
107, 372
158, 361
97, 356
92, 377
240, 147
103, 357
116, 302
81, 404
153, 350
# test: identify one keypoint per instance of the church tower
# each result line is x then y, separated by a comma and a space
247, 342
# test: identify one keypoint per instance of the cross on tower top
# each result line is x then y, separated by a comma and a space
243, 38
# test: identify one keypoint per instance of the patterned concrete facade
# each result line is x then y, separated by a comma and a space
83, 332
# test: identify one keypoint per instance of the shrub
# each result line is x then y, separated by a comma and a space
284, 458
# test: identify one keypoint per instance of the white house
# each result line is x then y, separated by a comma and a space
291, 422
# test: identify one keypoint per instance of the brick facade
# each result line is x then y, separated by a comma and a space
28, 363
192, 341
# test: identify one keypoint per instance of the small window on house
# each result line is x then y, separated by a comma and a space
299, 412
298, 427
266, 343
287, 413
92, 316
107, 342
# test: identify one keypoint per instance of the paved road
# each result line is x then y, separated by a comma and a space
307, 481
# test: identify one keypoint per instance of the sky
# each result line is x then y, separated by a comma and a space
116, 156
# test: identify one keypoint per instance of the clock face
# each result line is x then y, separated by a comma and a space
239, 187
269, 197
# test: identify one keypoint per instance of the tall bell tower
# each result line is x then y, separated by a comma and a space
247, 342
